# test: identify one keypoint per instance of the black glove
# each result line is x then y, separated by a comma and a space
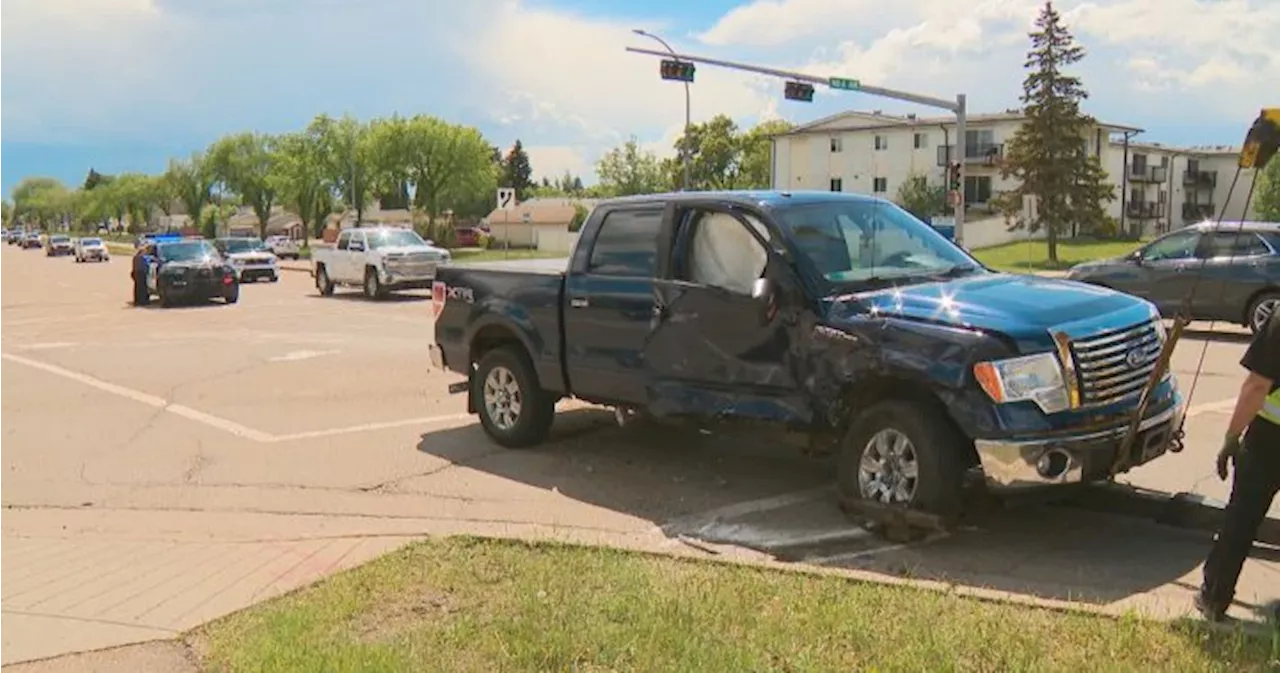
1230, 451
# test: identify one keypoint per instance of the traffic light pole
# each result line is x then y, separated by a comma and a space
957, 107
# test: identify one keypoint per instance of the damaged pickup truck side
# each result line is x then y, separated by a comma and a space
836, 319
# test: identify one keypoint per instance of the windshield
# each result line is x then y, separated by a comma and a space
234, 245
90, 241
388, 239
187, 251
852, 241
59, 239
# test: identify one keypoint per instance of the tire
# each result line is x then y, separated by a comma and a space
935, 450
233, 296
323, 284
372, 285
1260, 309
162, 296
529, 425
275, 278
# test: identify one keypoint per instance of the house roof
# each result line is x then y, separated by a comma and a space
857, 120
1200, 150
541, 210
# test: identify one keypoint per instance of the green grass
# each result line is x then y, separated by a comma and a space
463, 604
1034, 255
497, 254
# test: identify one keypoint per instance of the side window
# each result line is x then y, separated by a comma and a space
1241, 244
343, 240
723, 253
1177, 246
627, 244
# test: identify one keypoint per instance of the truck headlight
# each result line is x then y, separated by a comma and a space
1036, 378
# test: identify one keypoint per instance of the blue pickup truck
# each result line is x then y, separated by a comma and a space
837, 320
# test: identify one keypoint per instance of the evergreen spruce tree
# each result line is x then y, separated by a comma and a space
1049, 154
517, 172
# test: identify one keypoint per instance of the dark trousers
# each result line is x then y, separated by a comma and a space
141, 297
1254, 485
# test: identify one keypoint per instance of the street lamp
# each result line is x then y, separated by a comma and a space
684, 149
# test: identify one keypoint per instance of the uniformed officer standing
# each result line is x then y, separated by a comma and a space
1257, 470
141, 267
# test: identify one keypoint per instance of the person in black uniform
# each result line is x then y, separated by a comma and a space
141, 265
1256, 459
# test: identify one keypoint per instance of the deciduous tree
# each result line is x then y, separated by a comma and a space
630, 170
920, 198
349, 156
192, 181
1048, 155
1267, 200
302, 181
244, 163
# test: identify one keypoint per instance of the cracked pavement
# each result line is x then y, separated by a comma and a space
166, 467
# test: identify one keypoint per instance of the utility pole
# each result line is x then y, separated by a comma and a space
684, 150
846, 84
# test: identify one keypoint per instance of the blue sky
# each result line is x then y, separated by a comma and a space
126, 84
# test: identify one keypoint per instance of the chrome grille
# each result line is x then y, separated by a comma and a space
1116, 364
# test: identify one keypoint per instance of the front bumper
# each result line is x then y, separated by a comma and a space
251, 272
1010, 464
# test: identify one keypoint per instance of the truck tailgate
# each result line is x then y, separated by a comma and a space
497, 300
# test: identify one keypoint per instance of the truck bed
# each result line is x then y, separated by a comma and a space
522, 297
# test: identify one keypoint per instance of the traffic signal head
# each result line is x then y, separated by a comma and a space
798, 91
678, 71
953, 176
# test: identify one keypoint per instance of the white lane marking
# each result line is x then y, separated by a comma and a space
300, 355
850, 556
367, 427
45, 346
145, 398
759, 536
1220, 406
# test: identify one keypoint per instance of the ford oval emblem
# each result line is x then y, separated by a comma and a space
1137, 357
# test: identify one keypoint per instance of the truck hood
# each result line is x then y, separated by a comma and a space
1023, 308
408, 249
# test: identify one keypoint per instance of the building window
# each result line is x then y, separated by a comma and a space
977, 188
837, 144
880, 185
882, 142
837, 185
921, 141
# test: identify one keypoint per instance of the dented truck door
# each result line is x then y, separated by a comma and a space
720, 348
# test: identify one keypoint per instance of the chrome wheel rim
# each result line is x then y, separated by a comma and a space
502, 398
370, 285
889, 469
1263, 312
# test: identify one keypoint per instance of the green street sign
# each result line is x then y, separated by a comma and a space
844, 83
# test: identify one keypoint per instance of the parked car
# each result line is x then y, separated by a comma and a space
250, 258
91, 249
284, 247
58, 244
191, 270
32, 241
1235, 267
836, 320
468, 237
15, 236
379, 260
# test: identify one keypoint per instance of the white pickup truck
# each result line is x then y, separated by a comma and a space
378, 260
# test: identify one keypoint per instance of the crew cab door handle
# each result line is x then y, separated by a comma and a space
579, 302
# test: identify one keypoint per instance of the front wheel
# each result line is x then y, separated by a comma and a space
232, 295
900, 454
323, 283
1261, 310
372, 285
514, 409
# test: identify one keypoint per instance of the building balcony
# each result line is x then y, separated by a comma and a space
982, 153
1143, 210
1200, 179
1148, 174
1197, 212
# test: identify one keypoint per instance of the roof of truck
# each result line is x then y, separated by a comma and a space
763, 197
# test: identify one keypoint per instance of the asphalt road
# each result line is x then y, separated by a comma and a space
166, 467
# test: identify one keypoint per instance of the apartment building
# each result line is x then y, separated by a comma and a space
1161, 188
874, 153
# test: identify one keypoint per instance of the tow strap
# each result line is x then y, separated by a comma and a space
1260, 146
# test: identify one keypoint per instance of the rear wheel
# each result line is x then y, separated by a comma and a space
1261, 310
232, 295
899, 454
514, 409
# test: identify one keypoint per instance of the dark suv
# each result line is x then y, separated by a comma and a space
1237, 264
